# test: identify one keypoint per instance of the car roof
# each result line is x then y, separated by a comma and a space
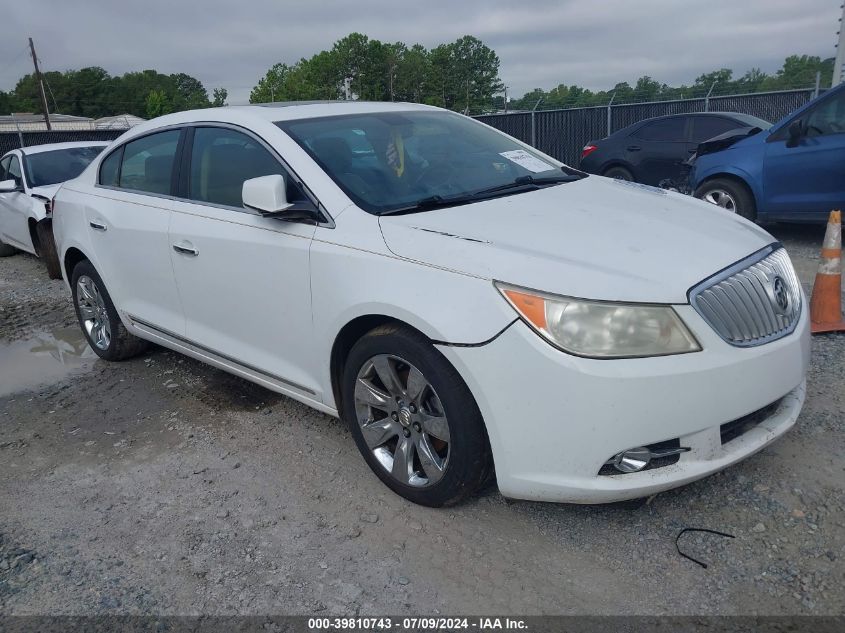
275, 112
38, 149
682, 114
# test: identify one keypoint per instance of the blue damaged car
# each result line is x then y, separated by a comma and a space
792, 172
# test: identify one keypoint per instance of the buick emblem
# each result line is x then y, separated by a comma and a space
780, 295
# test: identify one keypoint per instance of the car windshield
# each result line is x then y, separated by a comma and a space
58, 165
396, 161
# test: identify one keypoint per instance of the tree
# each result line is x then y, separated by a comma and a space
799, 71
462, 75
5, 103
157, 104
271, 84
219, 97
476, 69
412, 74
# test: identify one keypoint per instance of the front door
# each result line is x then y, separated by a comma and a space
658, 149
244, 279
805, 178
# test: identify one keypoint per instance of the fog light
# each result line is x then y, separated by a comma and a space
633, 460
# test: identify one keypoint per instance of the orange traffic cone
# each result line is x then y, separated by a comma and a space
826, 302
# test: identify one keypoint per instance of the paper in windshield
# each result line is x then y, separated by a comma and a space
526, 160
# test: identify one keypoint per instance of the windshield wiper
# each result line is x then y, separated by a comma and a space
527, 181
522, 183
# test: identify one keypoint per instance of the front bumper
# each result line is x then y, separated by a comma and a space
554, 419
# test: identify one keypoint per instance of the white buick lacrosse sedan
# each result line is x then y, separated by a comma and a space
467, 304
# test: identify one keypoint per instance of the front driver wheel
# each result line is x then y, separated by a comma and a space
414, 419
730, 195
98, 318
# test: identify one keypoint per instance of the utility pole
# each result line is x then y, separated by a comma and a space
40, 81
839, 63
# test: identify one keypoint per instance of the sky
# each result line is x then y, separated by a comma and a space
542, 43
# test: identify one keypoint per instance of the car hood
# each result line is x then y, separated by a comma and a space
595, 238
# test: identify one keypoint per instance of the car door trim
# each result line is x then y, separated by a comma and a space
219, 357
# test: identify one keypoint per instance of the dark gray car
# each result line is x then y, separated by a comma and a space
654, 150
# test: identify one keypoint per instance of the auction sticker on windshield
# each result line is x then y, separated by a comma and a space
526, 160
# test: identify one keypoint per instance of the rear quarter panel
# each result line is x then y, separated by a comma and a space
70, 227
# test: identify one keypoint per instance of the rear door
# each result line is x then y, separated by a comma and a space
244, 279
128, 220
658, 149
806, 179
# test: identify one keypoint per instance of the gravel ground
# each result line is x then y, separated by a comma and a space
163, 486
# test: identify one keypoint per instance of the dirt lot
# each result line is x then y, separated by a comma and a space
160, 485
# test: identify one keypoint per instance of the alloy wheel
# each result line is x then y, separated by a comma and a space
93, 312
402, 420
720, 198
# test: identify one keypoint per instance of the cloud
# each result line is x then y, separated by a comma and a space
541, 44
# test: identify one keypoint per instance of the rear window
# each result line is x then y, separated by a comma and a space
60, 165
706, 127
148, 163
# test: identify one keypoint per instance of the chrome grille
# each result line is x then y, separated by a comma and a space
755, 301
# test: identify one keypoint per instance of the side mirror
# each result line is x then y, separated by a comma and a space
266, 194
8, 186
794, 133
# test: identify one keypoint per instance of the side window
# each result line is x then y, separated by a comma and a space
706, 127
4, 167
109, 168
222, 159
148, 163
14, 170
667, 130
828, 117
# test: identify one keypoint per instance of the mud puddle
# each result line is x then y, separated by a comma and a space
43, 359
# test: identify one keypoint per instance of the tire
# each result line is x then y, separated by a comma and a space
92, 303
729, 194
441, 424
44, 232
618, 173
6, 250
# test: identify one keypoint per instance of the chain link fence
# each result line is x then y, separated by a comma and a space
15, 140
563, 133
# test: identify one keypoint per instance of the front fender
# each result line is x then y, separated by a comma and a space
718, 171
445, 306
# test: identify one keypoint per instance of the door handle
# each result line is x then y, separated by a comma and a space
97, 226
633, 148
186, 248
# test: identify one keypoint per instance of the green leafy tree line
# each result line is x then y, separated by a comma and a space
462, 75
798, 71
92, 92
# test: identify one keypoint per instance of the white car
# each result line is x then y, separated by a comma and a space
29, 178
467, 304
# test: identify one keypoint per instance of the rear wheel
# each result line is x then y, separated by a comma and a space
729, 194
44, 232
618, 173
414, 419
98, 318
6, 250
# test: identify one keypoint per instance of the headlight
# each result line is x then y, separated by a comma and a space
600, 329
